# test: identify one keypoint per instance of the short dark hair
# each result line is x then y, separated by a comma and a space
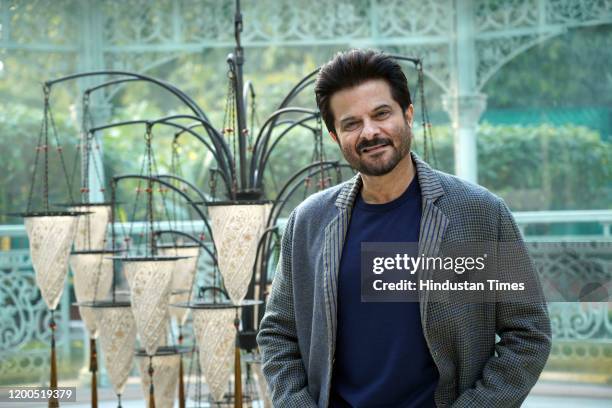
354, 67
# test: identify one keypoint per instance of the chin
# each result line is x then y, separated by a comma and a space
379, 170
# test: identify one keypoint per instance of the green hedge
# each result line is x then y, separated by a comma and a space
538, 167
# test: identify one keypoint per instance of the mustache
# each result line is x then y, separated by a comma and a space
383, 141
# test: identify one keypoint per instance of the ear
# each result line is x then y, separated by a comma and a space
334, 137
408, 114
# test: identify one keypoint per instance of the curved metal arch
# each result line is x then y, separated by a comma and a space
194, 188
228, 169
148, 122
184, 181
288, 98
212, 132
516, 52
227, 155
187, 100
416, 61
195, 125
297, 88
92, 89
190, 126
273, 116
261, 168
167, 123
248, 87
182, 96
192, 238
290, 121
116, 179
150, 67
165, 85
283, 197
258, 149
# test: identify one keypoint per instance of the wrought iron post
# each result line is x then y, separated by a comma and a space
238, 59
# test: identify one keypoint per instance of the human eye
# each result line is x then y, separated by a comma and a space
350, 125
382, 114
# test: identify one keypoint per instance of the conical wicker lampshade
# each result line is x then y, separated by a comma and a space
182, 279
216, 336
50, 239
93, 278
150, 284
91, 227
117, 337
236, 232
165, 378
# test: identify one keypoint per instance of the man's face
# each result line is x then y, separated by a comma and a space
371, 129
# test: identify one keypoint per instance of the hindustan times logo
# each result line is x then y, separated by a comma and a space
404, 262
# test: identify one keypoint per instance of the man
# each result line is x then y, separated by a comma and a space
320, 344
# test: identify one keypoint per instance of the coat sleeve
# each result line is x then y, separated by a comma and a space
282, 363
523, 327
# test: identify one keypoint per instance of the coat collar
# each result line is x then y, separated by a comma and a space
429, 181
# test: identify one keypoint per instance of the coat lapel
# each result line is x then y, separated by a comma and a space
433, 223
335, 233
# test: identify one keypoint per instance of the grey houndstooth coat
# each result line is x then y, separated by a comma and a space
298, 331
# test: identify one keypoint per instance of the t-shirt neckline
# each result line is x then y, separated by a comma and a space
412, 191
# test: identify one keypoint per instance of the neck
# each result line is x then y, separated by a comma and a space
388, 187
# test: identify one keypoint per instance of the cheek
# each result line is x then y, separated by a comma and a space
347, 143
347, 149
402, 132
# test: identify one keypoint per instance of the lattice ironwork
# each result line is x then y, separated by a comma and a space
24, 320
157, 31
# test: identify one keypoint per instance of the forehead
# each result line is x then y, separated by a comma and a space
360, 99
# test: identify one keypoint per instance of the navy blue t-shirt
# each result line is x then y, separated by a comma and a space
381, 357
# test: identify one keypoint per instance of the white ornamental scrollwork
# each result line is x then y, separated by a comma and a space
24, 318
491, 15
577, 11
414, 18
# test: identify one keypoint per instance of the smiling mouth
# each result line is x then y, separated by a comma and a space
372, 149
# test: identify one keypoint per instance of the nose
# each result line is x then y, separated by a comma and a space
370, 129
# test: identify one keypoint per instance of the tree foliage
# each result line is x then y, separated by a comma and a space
539, 167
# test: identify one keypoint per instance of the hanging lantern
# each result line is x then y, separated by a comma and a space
150, 285
216, 336
165, 376
236, 232
91, 227
93, 278
92, 270
50, 238
183, 277
117, 337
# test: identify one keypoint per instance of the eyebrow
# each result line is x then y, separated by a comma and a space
345, 120
384, 105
